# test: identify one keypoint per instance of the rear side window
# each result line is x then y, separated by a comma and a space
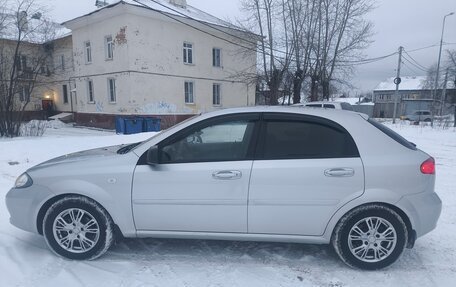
328, 106
292, 139
392, 134
346, 106
314, 105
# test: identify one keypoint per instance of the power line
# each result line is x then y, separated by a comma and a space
210, 26
412, 69
415, 61
415, 65
366, 61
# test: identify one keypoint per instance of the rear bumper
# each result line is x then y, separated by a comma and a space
423, 210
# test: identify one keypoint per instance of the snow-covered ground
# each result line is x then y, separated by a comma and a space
26, 261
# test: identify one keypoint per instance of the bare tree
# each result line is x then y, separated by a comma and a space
301, 15
452, 66
275, 51
344, 34
23, 58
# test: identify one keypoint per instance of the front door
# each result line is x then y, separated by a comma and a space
307, 166
201, 182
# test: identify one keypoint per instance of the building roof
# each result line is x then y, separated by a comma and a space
408, 83
38, 29
164, 6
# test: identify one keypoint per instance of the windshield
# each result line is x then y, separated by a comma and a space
162, 131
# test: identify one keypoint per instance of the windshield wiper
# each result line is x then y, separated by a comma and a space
127, 148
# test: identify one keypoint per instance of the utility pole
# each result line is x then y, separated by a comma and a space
397, 81
442, 104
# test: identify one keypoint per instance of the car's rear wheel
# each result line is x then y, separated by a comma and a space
78, 228
370, 237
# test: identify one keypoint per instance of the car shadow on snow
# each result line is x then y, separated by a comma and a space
218, 250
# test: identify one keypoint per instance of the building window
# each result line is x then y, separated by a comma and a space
216, 95
216, 57
112, 90
188, 53
62, 62
88, 52
188, 92
65, 94
109, 48
24, 95
90, 96
73, 91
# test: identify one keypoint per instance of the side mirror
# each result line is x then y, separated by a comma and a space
152, 155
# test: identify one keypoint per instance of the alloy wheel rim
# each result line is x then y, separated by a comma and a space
76, 230
372, 239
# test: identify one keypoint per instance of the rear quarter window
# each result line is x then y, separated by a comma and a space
346, 106
392, 134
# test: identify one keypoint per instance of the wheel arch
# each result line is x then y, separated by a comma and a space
44, 208
399, 211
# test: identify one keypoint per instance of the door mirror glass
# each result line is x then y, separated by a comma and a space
152, 155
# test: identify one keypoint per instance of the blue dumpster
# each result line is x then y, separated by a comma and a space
133, 125
120, 125
151, 125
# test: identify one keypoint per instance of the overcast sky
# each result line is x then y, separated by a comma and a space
412, 24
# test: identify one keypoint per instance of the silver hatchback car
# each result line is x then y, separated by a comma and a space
259, 174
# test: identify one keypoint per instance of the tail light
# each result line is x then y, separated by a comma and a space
428, 166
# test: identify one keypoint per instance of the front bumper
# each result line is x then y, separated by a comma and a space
24, 204
423, 210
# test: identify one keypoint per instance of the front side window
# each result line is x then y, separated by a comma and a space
216, 57
188, 53
329, 106
88, 52
188, 90
109, 48
216, 100
90, 95
223, 141
112, 90
296, 139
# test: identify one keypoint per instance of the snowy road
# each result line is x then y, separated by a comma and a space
26, 261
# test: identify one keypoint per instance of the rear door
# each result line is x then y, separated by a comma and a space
304, 169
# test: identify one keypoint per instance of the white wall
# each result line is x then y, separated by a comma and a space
148, 64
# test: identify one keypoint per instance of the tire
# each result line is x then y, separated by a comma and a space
78, 228
370, 248
427, 120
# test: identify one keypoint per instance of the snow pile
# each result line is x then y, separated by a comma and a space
25, 259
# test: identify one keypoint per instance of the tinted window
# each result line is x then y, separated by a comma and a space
328, 106
314, 105
346, 106
288, 139
392, 134
224, 141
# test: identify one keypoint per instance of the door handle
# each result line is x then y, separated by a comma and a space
227, 174
340, 172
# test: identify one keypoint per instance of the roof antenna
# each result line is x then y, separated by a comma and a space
100, 3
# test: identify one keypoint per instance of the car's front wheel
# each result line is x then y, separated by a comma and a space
370, 237
78, 228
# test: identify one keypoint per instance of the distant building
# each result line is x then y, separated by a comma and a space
414, 94
166, 59
162, 58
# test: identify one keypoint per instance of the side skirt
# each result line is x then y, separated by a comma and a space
232, 236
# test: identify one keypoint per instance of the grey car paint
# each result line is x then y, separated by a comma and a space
135, 196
